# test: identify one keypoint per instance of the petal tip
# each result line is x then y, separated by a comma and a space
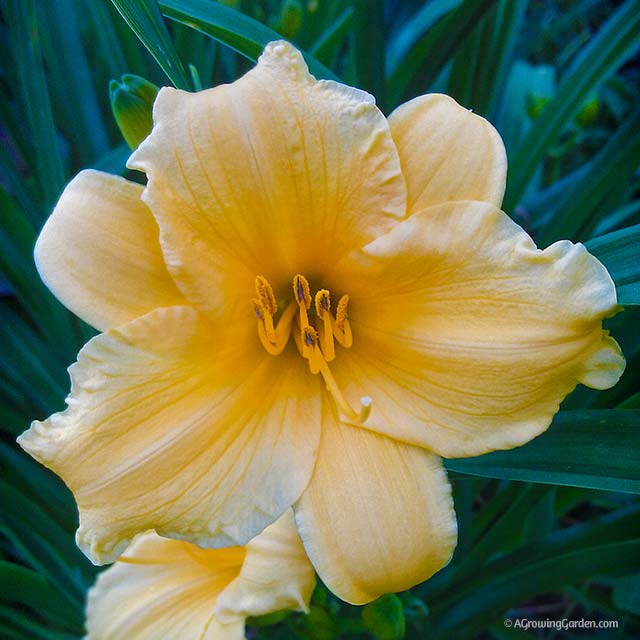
605, 366
284, 55
96, 549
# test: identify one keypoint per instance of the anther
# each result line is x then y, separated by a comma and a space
323, 302
301, 291
323, 311
265, 295
342, 328
257, 309
310, 336
342, 312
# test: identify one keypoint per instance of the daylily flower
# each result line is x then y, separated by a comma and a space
307, 306
169, 589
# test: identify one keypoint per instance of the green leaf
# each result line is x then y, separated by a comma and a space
17, 238
510, 15
615, 42
594, 449
620, 253
327, 43
626, 593
76, 104
568, 556
426, 59
243, 34
21, 585
610, 171
480, 65
369, 25
34, 98
145, 19
412, 29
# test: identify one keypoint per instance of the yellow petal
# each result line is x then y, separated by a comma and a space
377, 516
276, 575
467, 337
172, 426
99, 252
275, 174
163, 588
447, 153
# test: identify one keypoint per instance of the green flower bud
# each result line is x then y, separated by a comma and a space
132, 101
589, 112
535, 104
384, 618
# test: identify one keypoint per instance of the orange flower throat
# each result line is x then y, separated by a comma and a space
315, 340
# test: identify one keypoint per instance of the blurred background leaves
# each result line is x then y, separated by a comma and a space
550, 530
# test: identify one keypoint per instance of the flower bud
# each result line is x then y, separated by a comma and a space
131, 103
384, 618
588, 112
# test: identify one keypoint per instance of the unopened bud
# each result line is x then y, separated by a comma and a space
384, 618
132, 99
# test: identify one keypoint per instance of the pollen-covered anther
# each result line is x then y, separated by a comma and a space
273, 338
301, 291
258, 310
265, 295
325, 327
341, 326
265, 307
302, 296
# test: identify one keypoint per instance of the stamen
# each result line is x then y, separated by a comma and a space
315, 343
342, 312
265, 306
366, 403
342, 327
265, 295
302, 295
323, 302
301, 291
257, 309
309, 338
323, 311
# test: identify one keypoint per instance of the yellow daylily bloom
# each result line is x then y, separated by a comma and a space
307, 305
170, 589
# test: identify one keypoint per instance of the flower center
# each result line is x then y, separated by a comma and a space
315, 338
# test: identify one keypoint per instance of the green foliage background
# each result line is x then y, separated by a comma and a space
550, 530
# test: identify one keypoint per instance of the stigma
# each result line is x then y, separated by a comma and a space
315, 330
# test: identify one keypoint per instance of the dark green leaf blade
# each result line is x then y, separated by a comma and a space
145, 19
613, 44
593, 449
424, 61
620, 253
243, 34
